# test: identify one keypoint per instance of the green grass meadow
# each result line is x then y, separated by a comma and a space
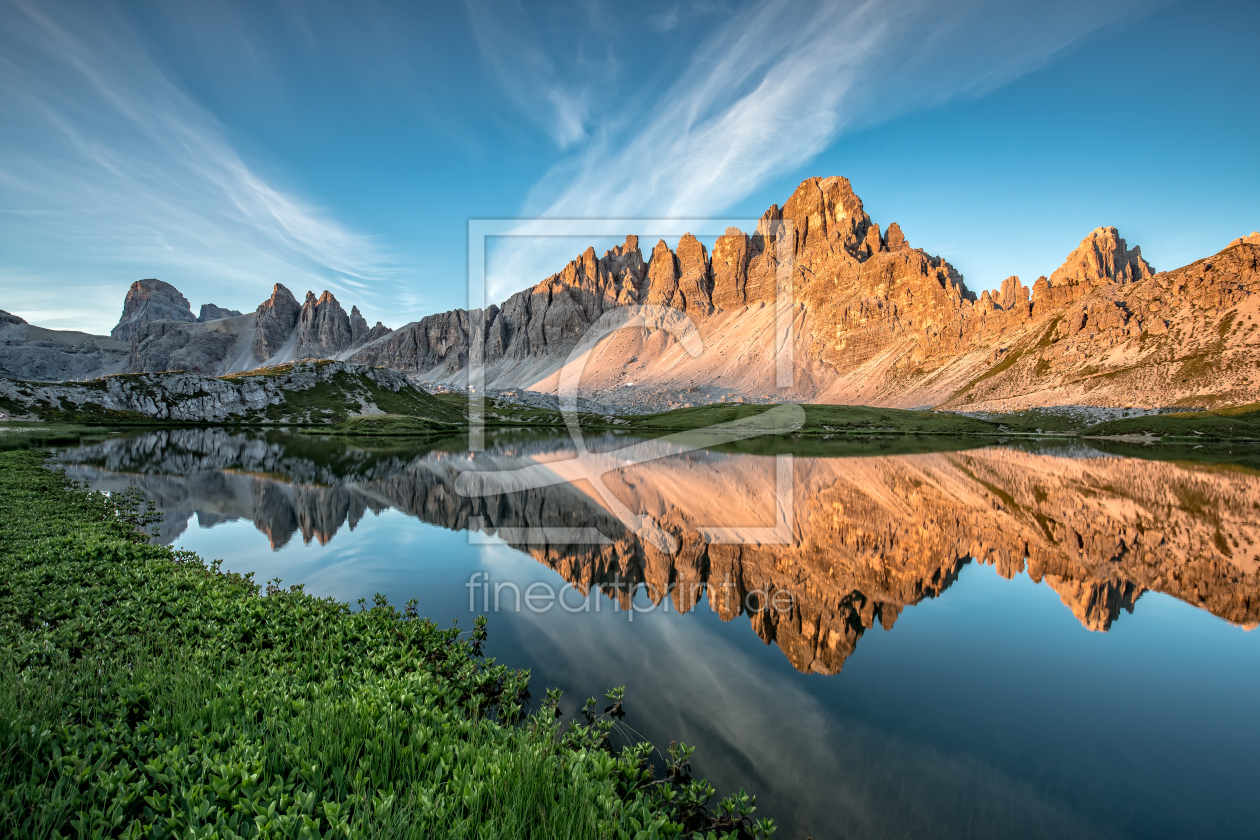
144, 693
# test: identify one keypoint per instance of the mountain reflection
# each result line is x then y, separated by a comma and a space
869, 536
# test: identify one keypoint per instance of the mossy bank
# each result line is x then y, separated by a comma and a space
146, 694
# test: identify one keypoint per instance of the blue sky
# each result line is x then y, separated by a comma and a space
224, 147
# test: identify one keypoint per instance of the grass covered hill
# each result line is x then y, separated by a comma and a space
146, 694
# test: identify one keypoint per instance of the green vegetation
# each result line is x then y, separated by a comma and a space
386, 425
144, 694
1238, 423
28, 434
69, 414
821, 420
338, 399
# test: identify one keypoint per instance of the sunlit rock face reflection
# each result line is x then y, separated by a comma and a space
868, 536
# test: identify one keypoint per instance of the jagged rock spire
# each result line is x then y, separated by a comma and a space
323, 328
277, 316
1102, 257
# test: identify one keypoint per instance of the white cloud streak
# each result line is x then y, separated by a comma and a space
776, 84
108, 166
510, 48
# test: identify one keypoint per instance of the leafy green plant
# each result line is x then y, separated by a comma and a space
144, 693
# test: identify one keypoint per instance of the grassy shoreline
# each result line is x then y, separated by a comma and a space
146, 694
825, 428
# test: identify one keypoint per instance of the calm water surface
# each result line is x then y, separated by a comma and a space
993, 642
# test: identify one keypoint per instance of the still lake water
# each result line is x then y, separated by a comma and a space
993, 642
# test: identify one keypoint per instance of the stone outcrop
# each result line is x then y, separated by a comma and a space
869, 536
197, 398
360, 333
210, 312
148, 301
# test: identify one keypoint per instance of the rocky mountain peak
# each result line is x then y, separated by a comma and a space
895, 240
1012, 294
625, 266
147, 301
7, 318
359, 332
277, 316
1252, 239
662, 277
729, 268
1102, 257
358, 327
826, 211
694, 280
323, 328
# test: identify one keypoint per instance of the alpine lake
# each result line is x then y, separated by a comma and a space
927, 639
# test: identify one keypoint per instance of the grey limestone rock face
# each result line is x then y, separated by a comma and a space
210, 312
323, 328
195, 397
277, 316
544, 321
148, 301
159, 333
50, 360
358, 327
167, 345
35, 353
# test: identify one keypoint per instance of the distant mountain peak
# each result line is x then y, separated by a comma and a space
147, 301
210, 312
1102, 257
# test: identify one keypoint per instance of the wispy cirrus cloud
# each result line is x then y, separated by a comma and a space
107, 165
774, 85
556, 99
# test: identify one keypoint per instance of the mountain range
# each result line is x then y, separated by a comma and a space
158, 332
875, 321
